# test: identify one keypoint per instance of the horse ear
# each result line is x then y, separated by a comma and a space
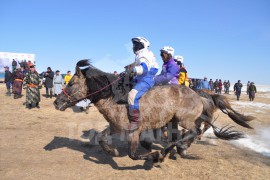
79, 72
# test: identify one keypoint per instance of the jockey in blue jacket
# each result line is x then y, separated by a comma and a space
170, 69
145, 68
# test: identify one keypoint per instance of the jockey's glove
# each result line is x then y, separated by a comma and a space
131, 72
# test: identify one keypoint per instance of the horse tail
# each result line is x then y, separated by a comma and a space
226, 132
222, 103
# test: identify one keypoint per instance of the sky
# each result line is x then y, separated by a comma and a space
219, 39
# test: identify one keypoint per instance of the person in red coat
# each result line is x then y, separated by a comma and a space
219, 86
17, 83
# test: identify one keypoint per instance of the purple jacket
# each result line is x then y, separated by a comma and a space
168, 74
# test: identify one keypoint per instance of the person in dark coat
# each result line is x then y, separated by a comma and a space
14, 65
211, 83
8, 80
25, 65
17, 83
237, 89
248, 84
251, 91
216, 86
49, 82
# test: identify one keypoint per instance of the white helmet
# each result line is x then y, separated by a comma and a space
141, 40
168, 50
178, 58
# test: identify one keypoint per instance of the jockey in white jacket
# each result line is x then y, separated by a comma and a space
144, 71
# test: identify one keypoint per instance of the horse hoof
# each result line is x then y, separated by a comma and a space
156, 164
183, 153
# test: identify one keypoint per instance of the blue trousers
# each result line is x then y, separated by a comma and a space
136, 93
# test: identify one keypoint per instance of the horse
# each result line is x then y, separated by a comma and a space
159, 106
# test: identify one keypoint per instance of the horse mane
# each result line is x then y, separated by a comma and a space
96, 79
89, 70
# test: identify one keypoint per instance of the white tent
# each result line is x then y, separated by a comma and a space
6, 58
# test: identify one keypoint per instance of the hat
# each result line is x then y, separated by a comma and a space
31, 65
6, 67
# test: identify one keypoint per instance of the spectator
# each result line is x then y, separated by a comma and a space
29, 63
58, 83
237, 89
252, 90
115, 73
198, 84
31, 82
17, 83
14, 65
67, 77
205, 84
248, 84
228, 87
216, 86
8, 80
49, 82
219, 86
25, 65
211, 83
224, 85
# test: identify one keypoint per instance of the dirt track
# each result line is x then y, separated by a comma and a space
25, 134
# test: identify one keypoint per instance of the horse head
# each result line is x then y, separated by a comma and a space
75, 90
87, 83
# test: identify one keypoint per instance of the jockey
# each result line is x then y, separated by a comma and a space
144, 70
170, 69
183, 75
168, 74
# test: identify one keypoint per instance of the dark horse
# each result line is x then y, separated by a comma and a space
160, 105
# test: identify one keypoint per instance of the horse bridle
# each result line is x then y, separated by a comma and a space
72, 95
79, 91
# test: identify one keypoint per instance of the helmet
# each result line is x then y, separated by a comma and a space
168, 50
178, 58
140, 43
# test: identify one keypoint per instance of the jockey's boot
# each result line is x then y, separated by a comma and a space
51, 95
134, 117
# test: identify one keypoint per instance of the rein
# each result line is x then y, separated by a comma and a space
122, 75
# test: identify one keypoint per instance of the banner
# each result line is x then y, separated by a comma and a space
6, 59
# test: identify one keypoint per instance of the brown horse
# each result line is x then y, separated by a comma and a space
159, 106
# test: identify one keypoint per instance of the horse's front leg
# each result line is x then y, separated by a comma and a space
103, 142
133, 142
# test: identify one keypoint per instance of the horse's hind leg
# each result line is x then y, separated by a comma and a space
103, 142
205, 128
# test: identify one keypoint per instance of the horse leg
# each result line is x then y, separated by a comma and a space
187, 138
146, 144
133, 141
205, 128
103, 142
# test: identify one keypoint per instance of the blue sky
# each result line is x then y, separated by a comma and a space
224, 39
